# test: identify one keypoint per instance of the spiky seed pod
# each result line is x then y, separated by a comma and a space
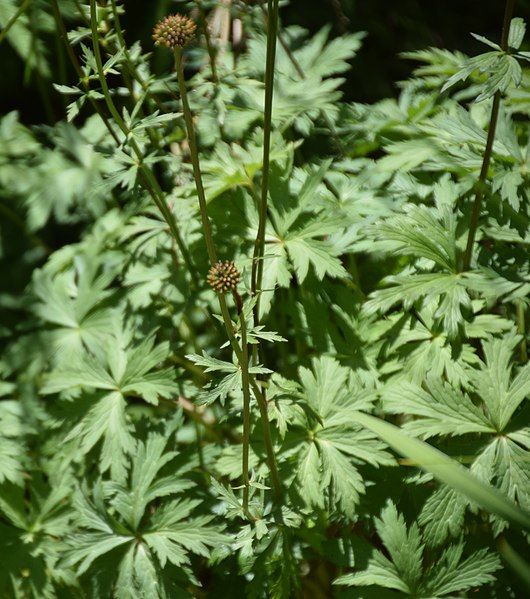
223, 277
175, 31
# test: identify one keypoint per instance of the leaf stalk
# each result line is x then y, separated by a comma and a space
479, 195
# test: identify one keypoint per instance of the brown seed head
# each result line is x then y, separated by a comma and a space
175, 31
223, 277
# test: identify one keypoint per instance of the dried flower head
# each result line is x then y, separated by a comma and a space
223, 277
175, 31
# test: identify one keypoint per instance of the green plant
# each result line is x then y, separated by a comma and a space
280, 348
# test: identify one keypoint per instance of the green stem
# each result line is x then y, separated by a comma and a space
209, 45
130, 64
259, 247
21, 10
516, 561
260, 399
266, 431
245, 379
200, 453
212, 255
194, 153
477, 204
521, 329
150, 181
300, 72
75, 63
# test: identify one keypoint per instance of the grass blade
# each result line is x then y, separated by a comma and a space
445, 469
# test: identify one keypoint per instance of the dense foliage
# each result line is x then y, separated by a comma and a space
283, 360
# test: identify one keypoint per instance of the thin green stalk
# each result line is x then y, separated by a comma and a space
209, 45
342, 19
521, 329
259, 247
21, 10
130, 64
475, 212
194, 153
260, 399
212, 255
516, 561
200, 453
150, 181
300, 72
75, 63
246, 409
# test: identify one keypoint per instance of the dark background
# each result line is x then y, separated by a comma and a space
393, 26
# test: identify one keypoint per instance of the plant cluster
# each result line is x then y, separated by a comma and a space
283, 349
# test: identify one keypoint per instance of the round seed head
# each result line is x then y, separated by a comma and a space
223, 277
175, 31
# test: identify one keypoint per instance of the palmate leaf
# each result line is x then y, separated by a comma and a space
407, 155
404, 571
453, 130
493, 381
72, 305
304, 250
442, 515
415, 348
448, 291
123, 366
64, 180
429, 235
317, 57
121, 369
34, 522
145, 484
419, 233
501, 68
296, 239
13, 431
335, 447
145, 534
298, 100
453, 575
442, 410
233, 166
504, 463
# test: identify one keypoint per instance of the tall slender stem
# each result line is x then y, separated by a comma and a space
150, 181
477, 204
212, 255
246, 409
194, 153
260, 399
300, 72
130, 64
75, 63
259, 247
208, 38
521, 329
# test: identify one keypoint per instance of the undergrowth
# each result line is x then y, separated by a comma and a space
282, 350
